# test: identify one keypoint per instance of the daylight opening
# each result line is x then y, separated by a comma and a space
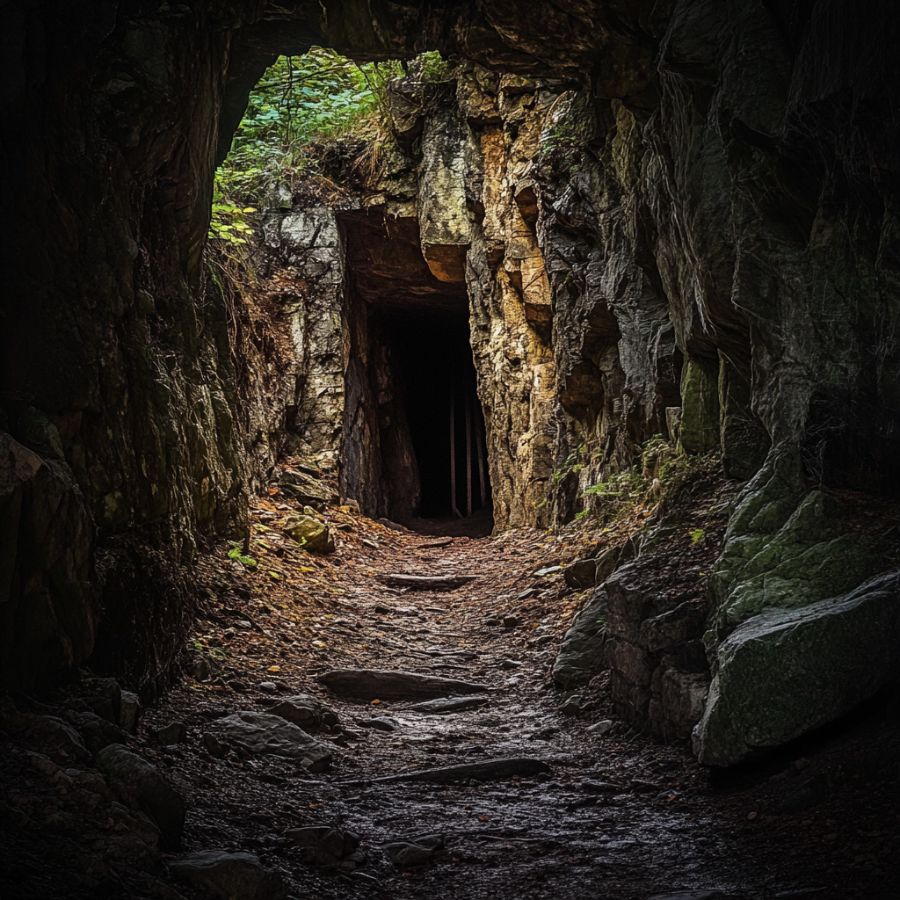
386, 395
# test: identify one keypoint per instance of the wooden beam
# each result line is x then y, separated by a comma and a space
453, 507
468, 455
482, 475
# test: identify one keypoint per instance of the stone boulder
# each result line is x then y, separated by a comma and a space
229, 876
582, 655
129, 711
96, 731
99, 694
142, 786
324, 845
55, 738
306, 712
785, 672
305, 488
312, 533
172, 733
594, 570
581, 574
407, 854
263, 734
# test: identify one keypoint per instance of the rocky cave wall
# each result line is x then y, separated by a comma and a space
119, 389
709, 220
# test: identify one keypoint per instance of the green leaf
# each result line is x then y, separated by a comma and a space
247, 561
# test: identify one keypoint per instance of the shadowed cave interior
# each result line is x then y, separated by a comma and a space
431, 366
425, 461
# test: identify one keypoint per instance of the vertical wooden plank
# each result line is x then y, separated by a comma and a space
482, 474
453, 507
468, 455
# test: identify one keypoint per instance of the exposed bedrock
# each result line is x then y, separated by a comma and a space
676, 218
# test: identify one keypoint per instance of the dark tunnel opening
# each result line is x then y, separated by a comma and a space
415, 438
431, 360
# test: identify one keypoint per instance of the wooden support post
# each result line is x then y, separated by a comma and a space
482, 475
453, 507
468, 455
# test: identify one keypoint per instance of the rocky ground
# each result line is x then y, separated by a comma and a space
287, 764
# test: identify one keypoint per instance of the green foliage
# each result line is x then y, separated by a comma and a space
698, 535
559, 149
625, 485
662, 470
298, 102
236, 552
229, 221
572, 465
301, 106
663, 462
431, 66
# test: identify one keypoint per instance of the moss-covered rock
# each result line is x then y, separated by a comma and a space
798, 635
699, 406
744, 441
786, 547
785, 672
311, 532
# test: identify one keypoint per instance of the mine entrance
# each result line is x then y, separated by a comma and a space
415, 441
432, 363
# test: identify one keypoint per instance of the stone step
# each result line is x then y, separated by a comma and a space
426, 582
380, 684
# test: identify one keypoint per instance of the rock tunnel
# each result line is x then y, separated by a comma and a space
527, 460
414, 439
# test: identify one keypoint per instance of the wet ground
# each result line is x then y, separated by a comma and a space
616, 816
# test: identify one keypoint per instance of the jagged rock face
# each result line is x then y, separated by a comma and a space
115, 371
344, 270
308, 249
509, 297
697, 209
714, 232
444, 227
764, 193
46, 594
613, 335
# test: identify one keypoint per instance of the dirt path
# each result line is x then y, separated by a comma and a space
616, 816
